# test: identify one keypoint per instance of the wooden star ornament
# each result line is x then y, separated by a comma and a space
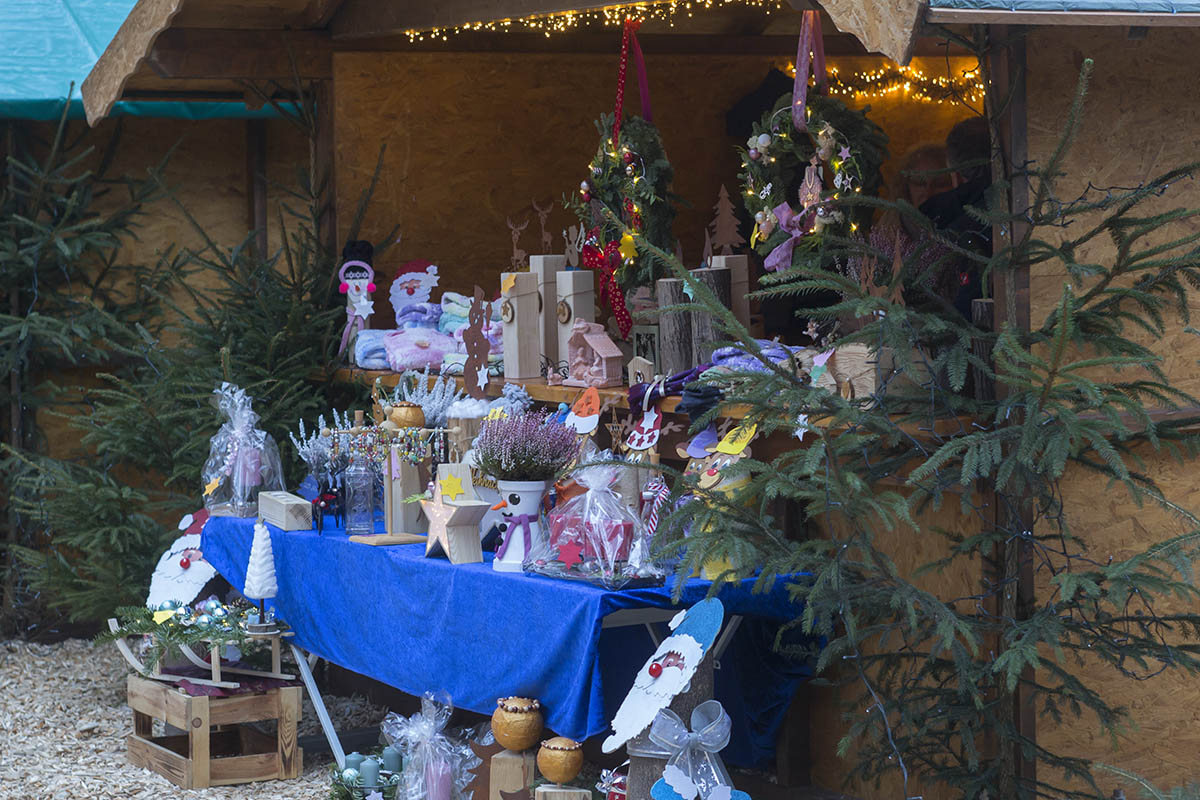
454, 524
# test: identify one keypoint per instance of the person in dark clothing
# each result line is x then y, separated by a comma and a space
968, 154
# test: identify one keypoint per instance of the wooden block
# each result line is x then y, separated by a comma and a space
402, 480
384, 539
706, 330
739, 284
674, 328
285, 511
546, 267
286, 743
576, 299
551, 792
511, 772
519, 315
198, 749
463, 433
152, 756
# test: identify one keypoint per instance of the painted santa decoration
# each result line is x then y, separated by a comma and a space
181, 572
413, 285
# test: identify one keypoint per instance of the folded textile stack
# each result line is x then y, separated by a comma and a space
419, 315
735, 359
416, 348
455, 308
369, 349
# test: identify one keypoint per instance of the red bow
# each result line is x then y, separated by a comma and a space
605, 262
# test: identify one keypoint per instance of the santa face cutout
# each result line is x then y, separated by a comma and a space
668, 672
181, 573
414, 285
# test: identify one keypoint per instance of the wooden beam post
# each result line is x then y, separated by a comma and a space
256, 182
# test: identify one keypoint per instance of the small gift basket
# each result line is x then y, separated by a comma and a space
242, 460
436, 766
594, 536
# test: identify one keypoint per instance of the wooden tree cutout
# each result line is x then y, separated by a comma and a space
724, 227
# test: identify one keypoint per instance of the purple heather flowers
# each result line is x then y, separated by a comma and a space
525, 447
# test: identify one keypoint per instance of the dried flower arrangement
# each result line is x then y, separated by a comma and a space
525, 447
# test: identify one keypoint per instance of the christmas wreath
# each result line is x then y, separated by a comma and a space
787, 189
632, 178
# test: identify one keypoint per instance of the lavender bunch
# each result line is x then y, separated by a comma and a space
525, 447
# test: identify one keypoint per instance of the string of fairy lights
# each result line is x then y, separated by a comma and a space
609, 16
911, 83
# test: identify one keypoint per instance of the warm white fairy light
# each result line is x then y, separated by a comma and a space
609, 16
911, 83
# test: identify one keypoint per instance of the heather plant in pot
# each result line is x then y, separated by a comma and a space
523, 452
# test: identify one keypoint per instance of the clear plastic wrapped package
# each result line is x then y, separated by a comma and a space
242, 460
594, 536
436, 766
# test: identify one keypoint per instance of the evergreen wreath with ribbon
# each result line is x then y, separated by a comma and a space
797, 166
631, 176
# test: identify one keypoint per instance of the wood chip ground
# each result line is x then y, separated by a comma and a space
63, 722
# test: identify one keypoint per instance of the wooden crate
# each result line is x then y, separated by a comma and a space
218, 748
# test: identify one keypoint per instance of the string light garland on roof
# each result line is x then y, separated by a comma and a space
608, 16
909, 82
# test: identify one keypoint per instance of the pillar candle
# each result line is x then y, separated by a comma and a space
391, 759
369, 771
354, 760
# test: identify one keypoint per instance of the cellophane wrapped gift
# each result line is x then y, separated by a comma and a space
242, 460
436, 766
594, 536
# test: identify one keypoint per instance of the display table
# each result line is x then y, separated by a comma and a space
422, 624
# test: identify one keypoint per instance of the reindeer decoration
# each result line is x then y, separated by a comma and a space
543, 217
518, 256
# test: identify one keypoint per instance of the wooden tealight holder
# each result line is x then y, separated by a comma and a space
674, 328
402, 480
548, 792
576, 293
546, 268
705, 328
233, 753
519, 314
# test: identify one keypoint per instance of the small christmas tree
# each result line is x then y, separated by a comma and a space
724, 227
260, 572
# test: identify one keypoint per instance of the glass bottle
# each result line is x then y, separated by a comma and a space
359, 480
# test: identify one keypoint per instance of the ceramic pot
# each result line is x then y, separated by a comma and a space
560, 759
518, 499
517, 722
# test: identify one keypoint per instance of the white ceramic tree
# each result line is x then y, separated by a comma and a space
260, 572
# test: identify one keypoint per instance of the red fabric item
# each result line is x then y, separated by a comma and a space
605, 263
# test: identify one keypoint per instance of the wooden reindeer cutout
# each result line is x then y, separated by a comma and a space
518, 256
543, 215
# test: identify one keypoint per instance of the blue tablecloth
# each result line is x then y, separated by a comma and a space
422, 624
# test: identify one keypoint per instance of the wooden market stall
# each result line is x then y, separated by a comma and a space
485, 125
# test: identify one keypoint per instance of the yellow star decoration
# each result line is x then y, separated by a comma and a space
628, 249
212, 486
162, 616
451, 487
508, 282
495, 414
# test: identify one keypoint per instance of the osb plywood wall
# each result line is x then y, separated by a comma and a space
473, 139
909, 550
1142, 119
207, 173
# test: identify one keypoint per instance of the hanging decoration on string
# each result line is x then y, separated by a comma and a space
630, 177
803, 159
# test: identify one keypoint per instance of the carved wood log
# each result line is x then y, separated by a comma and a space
674, 328
705, 328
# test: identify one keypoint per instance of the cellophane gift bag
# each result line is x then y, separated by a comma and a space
242, 460
436, 765
594, 536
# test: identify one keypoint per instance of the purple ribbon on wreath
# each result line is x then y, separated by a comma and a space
523, 521
794, 225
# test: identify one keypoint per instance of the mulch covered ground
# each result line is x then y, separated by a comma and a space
63, 722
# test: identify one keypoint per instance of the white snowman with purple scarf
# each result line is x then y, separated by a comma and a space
520, 508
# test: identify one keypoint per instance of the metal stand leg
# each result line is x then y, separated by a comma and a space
314, 694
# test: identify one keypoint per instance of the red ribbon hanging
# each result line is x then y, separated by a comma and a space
810, 52
628, 39
605, 263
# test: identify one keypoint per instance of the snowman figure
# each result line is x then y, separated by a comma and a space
356, 280
520, 506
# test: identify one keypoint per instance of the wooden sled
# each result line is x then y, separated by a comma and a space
214, 666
